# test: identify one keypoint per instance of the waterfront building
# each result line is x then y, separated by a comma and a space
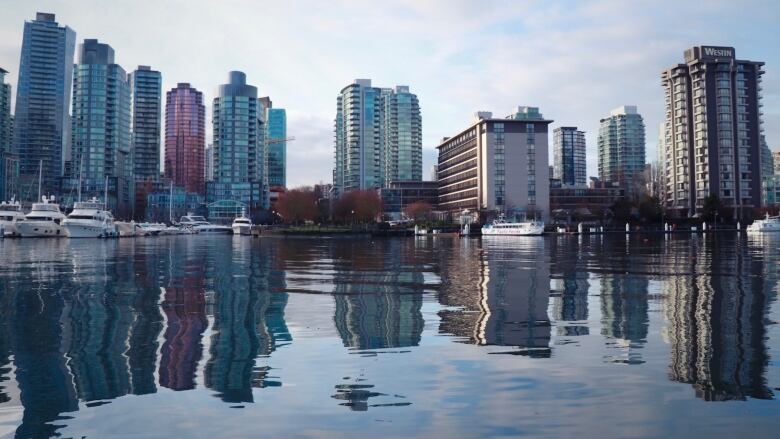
767, 174
146, 96
275, 134
102, 146
776, 162
8, 167
185, 138
239, 152
591, 203
209, 162
170, 204
569, 156
400, 194
497, 165
378, 137
712, 131
621, 148
42, 125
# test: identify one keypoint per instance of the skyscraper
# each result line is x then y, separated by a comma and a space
6, 137
101, 129
209, 162
276, 130
42, 121
185, 138
239, 151
569, 156
713, 129
378, 137
146, 90
621, 146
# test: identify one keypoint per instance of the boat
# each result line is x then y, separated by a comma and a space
198, 224
90, 219
44, 220
501, 226
242, 225
150, 229
126, 229
10, 215
768, 224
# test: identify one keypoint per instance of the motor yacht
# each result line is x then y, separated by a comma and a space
10, 215
44, 220
519, 228
242, 225
90, 219
768, 224
198, 224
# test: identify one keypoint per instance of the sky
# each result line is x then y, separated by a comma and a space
576, 61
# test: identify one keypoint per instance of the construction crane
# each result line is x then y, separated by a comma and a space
279, 140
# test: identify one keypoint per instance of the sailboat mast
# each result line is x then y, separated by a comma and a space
105, 194
81, 170
40, 178
170, 205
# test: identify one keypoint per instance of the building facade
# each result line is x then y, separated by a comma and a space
498, 165
400, 194
239, 152
8, 166
275, 143
378, 137
185, 138
569, 164
102, 147
621, 148
712, 131
209, 165
146, 97
42, 135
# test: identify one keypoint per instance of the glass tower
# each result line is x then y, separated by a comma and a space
7, 163
276, 129
378, 137
569, 156
621, 147
42, 121
146, 89
239, 151
185, 138
101, 129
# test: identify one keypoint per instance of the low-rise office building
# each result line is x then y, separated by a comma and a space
497, 165
568, 204
401, 193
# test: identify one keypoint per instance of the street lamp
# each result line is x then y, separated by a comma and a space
353, 217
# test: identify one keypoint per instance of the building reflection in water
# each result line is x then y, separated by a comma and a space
244, 304
569, 286
502, 290
715, 312
624, 315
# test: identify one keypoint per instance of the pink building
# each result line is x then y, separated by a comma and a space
185, 138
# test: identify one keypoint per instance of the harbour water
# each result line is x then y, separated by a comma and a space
233, 337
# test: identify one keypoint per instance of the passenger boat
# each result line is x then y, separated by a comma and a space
242, 225
44, 220
521, 228
90, 219
10, 215
199, 224
768, 224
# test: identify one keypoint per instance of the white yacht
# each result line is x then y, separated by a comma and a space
768, 224
45, 219
90, 219
242, 225
150, 229
199, 224
520, 228
10, 215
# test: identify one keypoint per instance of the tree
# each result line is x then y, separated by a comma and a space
297, 205
650, 209
622, 210
358, 206
711, 207
418, 211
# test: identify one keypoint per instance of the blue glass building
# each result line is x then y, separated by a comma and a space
8, 166
146, 92
238, 152
276, 129
42, 121
101, 130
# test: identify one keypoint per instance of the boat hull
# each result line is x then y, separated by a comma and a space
40, 229
9, 229
530, 232
242, 229
88, 231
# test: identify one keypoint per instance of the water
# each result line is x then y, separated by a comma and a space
217, 337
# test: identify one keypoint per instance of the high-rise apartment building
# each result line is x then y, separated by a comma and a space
102, 146
378, 137
621, 148
209, 164
146, 93
276, 131
712, 131
185, 138
42, 124
7, 162
239, 148
498, 165
569, 156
